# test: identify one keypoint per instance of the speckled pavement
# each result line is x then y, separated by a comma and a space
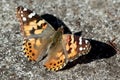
98, 20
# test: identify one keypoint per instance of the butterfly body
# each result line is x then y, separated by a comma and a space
41, 39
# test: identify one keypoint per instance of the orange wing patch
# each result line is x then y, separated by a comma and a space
30, 51
76, 46
73, 48
34, 28
35, 49
31, 23
55, 63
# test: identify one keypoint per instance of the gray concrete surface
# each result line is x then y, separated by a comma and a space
97, 19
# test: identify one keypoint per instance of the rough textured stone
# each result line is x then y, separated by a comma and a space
97, 19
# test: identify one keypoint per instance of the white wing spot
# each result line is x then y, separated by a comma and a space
80, 40
86, 41
80, 48
24, 19
21, 15
25, 9
21, 11
84, 48
31, 15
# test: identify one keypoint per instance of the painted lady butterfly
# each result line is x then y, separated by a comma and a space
41, 39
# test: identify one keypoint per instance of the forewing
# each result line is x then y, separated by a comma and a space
36, 32
32, 25
57, 54
76, 46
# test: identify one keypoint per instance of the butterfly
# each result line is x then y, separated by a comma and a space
40, 39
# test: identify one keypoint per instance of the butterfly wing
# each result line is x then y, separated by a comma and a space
57, 55
56, 59
35, 48
66, 48
36, 32
39, 36
76, 46
32, 25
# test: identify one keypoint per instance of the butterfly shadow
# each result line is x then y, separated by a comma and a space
56, 22
99, 50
